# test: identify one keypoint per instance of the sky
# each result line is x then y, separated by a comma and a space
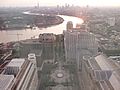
15, 3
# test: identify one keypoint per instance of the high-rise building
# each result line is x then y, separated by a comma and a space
79, 43
69, 25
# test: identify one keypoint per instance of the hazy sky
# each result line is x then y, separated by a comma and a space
59, 2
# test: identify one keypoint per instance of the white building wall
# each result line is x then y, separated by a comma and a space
70, 46
78, 43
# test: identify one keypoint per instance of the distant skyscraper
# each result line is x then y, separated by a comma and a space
69, 25
38, 5
79, 43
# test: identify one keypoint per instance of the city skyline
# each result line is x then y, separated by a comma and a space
25, 3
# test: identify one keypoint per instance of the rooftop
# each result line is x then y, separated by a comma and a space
105, 70
5, 81
111, 47
17, 62
104, 63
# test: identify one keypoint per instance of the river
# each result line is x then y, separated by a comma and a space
15, 35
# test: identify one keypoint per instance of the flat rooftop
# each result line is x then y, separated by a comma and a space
31, 41
105, 63
110, 71
5, 81
17, 62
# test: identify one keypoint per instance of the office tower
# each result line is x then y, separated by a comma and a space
69, 25
77, 44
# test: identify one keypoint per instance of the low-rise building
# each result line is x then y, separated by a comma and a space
6, 82
111, 49
100, 73
20, 74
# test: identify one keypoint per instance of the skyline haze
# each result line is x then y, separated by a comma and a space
26, 3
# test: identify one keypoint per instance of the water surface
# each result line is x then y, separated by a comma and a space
15, 35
